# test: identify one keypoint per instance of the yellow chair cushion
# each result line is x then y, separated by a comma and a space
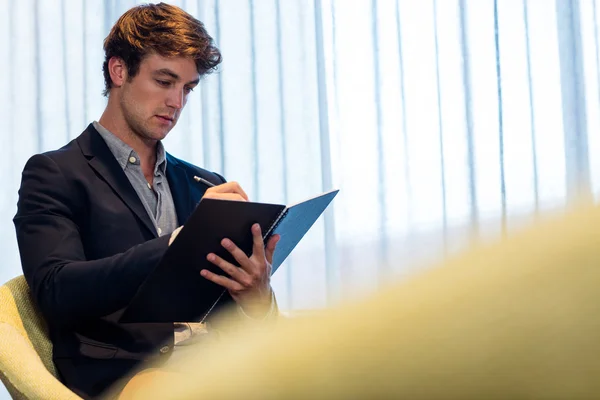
26, 366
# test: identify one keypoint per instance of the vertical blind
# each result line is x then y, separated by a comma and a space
443, 122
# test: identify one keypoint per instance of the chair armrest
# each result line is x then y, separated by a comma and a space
24, 373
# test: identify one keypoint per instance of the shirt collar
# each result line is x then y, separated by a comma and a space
123, 152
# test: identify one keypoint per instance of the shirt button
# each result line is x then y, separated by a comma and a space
132, 159
165, 349
159, 231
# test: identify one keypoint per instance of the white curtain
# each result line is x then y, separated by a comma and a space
441, 121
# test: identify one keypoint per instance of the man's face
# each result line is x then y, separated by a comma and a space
152, 101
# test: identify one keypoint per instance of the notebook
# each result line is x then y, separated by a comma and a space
175, 291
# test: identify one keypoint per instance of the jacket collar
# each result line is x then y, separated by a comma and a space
101, 159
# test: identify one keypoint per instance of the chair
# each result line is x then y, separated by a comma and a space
26, 366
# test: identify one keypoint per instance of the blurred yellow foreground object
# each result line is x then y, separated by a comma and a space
516, 319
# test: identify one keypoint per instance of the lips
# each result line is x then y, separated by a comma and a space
165, 118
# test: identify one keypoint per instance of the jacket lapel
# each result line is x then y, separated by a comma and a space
179, 183
104, 163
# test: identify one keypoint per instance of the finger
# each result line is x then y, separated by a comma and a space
258, 248
221, 280
229, 187
223, 196
237, 274
270, 249
239, 256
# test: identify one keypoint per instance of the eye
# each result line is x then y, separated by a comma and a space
188, 89
163, 83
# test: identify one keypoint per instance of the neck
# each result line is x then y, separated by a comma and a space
113, 120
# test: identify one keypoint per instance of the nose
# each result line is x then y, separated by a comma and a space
176, 99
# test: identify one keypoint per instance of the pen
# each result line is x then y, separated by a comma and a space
202, 180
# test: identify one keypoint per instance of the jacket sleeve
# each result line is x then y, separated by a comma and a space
67, 287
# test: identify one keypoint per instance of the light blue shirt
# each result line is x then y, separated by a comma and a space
156, 198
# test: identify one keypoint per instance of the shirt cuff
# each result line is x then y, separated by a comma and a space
174, 234
267, 315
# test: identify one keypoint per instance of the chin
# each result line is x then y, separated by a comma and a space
157, 133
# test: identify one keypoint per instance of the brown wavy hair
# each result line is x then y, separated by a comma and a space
162, 29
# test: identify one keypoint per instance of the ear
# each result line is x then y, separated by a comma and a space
117, 70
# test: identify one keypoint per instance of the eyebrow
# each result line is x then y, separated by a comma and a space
166, 71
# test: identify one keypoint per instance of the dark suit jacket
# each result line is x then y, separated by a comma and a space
86, 244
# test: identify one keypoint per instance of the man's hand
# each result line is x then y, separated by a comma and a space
248, 284
226, 191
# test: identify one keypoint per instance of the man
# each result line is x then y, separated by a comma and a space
95, 216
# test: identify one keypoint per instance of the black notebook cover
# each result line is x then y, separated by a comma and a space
175, 291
